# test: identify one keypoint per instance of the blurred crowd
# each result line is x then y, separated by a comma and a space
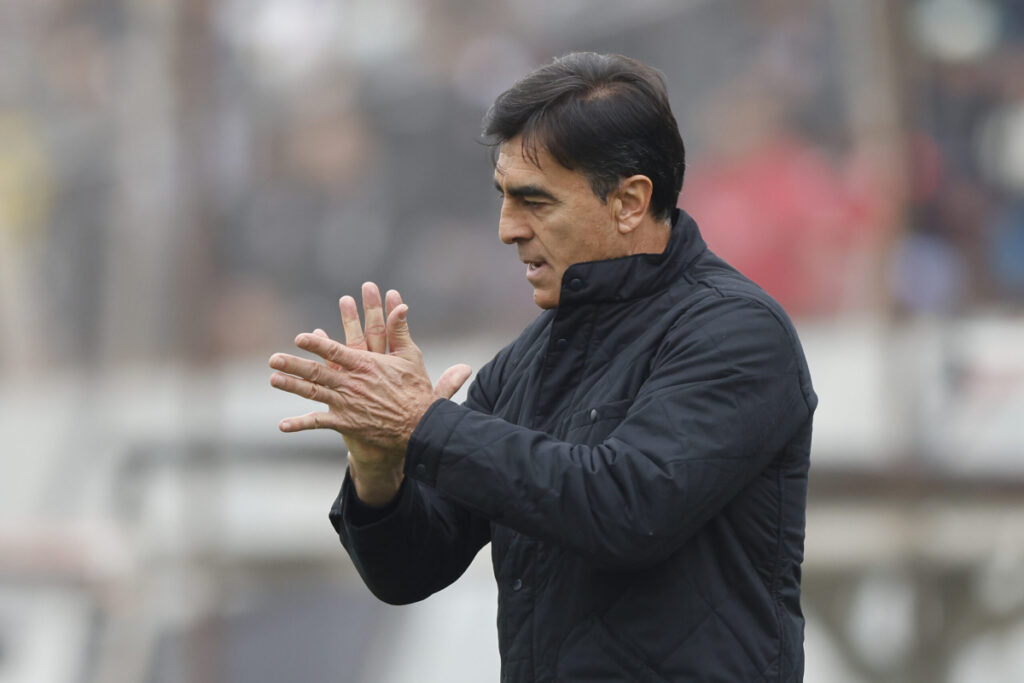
963, 244
191, 180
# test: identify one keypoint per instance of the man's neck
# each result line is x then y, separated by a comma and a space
651, 237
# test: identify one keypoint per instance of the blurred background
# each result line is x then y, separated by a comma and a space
184, 186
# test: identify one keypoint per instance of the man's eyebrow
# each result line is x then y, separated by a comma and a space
523, 191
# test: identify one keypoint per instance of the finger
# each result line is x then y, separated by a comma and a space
373, 311
350, 322
313, 420
303, 388
320, 333
399, 339
302, 367
329, 350
451, 380
392, 300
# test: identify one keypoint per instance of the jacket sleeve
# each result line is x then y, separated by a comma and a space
721, 401
423, 541
420, 547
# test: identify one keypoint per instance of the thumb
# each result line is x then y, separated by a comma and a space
451, 380
400, 341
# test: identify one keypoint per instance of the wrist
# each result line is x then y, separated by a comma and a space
375, 485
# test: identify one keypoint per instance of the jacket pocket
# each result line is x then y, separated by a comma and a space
594, 423
593, 653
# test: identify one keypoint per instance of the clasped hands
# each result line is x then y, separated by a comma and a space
375, 386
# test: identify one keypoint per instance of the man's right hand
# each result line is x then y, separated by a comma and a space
373, 472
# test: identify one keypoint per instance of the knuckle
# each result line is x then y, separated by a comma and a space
335, 353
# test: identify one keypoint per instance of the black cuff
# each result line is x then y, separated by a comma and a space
426, 445
361, 514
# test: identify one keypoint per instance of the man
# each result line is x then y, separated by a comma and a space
637, 458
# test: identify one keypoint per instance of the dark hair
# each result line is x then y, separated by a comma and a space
607, 116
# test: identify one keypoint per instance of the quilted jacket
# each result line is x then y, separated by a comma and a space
638, 461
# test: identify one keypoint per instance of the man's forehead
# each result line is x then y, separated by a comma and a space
511, 155
515, 156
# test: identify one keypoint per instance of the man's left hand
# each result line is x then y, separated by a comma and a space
377, 398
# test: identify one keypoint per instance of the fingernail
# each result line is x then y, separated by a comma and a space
285, 424
302, 341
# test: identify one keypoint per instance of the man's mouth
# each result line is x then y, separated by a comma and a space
534, 269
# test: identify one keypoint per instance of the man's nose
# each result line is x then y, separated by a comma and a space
512, 227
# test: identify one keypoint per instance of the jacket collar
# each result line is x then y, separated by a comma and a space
633, 277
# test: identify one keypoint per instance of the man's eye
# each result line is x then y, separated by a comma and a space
531, 204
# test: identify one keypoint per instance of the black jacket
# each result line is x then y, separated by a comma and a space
638, 460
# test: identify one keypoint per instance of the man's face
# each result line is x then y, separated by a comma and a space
553, 217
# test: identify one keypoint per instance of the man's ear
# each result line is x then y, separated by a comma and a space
632, 200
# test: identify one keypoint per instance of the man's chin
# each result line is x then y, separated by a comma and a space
545, 299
